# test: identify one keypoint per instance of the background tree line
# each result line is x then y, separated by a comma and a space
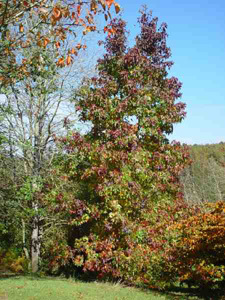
204, 179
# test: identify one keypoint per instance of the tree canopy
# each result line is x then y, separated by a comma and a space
62, 17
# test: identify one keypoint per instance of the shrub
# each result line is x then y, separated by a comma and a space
196, 252
11, 260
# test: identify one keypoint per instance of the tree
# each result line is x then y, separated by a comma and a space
63, 18
36, 107
125, 163
34, 39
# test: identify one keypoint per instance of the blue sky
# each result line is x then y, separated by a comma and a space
197, 40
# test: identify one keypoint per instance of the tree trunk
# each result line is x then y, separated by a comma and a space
36, 237
35, 242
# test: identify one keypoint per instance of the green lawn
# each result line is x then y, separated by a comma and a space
33, 288
49, 288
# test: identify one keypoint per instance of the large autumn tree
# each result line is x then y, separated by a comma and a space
125, 165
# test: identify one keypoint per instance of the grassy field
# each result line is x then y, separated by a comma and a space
33, 288
48, 288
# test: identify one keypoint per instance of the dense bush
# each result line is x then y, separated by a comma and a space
11, 260
183, 244
196, 252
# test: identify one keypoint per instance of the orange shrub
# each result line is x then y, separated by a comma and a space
196, 252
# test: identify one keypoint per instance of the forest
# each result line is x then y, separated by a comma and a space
203, 180
90, 184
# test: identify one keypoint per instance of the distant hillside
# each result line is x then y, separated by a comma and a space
204, 180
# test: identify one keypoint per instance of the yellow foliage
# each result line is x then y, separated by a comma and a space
14, 263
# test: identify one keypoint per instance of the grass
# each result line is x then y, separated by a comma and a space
34, 288
50, 288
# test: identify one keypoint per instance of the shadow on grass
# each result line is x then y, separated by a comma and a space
6, 275
182, 293
29, 276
